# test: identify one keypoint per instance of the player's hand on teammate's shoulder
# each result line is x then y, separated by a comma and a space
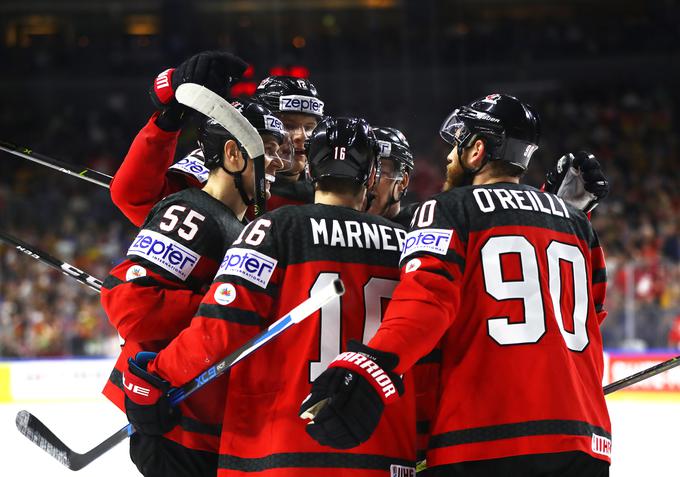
216, 70
578, 178
147, 403
348, 399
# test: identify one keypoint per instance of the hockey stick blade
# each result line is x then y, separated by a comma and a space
642, 375
218, 109
84, 173
40, 434
31, 427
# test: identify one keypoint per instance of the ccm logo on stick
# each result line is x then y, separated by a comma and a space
164, 252
254, 266
427, 240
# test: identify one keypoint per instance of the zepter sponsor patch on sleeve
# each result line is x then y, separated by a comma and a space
193, 165
248, 264
301, 104
164, 252
428, 241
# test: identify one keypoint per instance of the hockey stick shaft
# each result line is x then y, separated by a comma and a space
47, 259
36, 431
84, 173
642, 375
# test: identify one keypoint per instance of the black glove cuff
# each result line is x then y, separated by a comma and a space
153, 379
387, 361
173, 118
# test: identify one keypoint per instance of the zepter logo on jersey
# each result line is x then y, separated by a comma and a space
248, 264
295, 103
428, 241
194, 165
164, 252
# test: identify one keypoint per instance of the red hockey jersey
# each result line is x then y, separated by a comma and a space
154, 293
148, 174
512, 281
277, 262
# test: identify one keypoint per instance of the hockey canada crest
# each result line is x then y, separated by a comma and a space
225, 294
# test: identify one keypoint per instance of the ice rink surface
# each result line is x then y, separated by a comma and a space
646, 437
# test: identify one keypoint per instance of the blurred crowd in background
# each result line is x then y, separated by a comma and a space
87, 113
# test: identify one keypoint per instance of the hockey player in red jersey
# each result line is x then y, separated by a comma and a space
296, 102
147, 173
396, 168
155, 292
510, 281
262, 277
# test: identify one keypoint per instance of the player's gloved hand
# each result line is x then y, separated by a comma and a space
216, 70
147, 404
348, 399
578, 179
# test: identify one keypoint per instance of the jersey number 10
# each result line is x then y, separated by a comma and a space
375, 290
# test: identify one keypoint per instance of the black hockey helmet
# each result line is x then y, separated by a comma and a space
287, 94
393, 145
343, 148
511, 128
212, 136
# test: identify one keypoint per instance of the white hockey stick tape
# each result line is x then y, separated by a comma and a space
217, 108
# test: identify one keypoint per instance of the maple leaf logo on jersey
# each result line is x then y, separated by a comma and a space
225, 294
135, 271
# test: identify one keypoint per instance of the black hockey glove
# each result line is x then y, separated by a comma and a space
348, 399
147, 404
578, 179
216, 70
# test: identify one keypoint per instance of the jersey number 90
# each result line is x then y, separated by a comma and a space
528, 289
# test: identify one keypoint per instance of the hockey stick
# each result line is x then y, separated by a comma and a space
36, 431
47, 259
219, 110
642, 375
90, 175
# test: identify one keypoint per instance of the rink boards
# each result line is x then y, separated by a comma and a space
65, 394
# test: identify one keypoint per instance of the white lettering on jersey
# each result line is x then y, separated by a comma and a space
519, 199
354, 234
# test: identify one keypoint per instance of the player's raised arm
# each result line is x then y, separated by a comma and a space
141, 179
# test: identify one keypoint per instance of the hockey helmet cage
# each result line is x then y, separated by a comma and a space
287, 94
212, 136
393, 145
343, 148
511, 128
